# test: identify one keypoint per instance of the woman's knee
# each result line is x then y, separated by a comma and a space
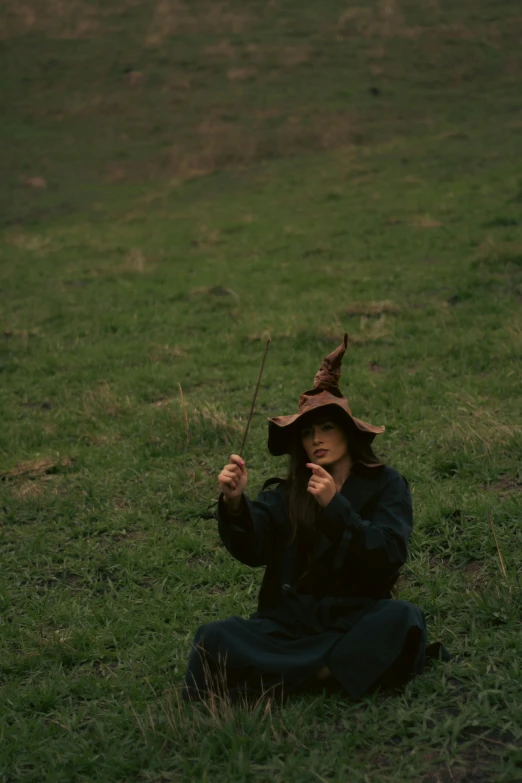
404, 613
209, 633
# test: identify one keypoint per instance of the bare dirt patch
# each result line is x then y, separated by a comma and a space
471, 765
476, 574
505, 486
38, 183
105, 670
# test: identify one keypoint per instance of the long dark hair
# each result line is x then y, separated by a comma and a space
303, 509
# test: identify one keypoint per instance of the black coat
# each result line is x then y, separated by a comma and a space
341, 612
362, 544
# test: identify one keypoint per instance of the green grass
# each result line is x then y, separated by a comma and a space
178, 181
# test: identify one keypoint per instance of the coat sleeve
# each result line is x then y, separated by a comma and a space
379, 544
252, 535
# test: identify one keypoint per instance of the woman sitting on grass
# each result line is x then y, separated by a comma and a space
333, 537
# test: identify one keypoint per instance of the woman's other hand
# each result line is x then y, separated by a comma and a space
321, 484
232, 481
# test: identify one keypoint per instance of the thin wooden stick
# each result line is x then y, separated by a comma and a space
254, 400
499, 553
184, 407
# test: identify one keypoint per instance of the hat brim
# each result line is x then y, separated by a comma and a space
281, 428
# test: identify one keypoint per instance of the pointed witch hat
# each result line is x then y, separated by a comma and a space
326, 392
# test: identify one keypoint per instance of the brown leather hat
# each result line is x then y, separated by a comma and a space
326, 392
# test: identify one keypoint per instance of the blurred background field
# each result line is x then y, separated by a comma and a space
179, 181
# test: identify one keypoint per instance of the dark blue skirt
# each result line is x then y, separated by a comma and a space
385, 647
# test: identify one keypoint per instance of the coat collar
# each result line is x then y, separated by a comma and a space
360, 487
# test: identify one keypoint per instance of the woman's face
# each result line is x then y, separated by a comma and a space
324, 442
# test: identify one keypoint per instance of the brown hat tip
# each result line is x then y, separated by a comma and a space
330, 371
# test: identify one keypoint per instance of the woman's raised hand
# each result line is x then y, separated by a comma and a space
321, 484
233, 478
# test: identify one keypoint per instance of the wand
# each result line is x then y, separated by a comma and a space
254, 400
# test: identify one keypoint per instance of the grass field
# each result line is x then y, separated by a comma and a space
180, 180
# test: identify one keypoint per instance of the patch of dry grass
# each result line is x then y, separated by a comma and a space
372, 330
62, 19
425, 221
194, 422
493, 252
101, 440
373, 308
259, 336
115, 173
174, 18
136, 262
225, 144
215, 710
164, 353
292, 56
474, 423
38, 183
214, 291
22, 336
215, 418
241, 74
282, 56
207, 237
36, 243
29, 490
36, 478
88, 105
102, 401
387, 21
514, 332
36, 468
